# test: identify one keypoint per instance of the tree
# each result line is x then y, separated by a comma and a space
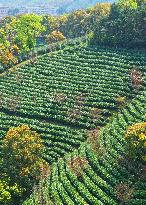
55, 36
78, 165
128, 4
136, 78
22, 151
134, 4
28, 28
136, 141
9, 192
124, 26
51, 23
18, 36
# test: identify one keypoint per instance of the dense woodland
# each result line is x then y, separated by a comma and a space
73, 107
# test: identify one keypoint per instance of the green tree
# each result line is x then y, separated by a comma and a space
124, 26
128, 4
28, 28
9, 193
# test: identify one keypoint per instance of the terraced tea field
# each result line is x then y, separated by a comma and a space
66, 95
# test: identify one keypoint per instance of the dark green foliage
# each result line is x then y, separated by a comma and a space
124, 27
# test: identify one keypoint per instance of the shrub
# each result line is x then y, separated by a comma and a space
136, 78
95, 113
81, 98
94, 140
13, 103
15, 50
121, 101
75, 113
124, 192
59, 98
78, 165
136, 141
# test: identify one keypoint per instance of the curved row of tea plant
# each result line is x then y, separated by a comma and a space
75, 86
103, 172
64, 92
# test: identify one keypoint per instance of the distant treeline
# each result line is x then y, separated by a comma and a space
119, 24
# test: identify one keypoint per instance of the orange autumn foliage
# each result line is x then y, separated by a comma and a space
7, 57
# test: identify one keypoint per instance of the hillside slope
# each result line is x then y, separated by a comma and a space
67, 95
105, 171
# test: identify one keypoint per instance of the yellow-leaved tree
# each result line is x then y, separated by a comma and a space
136, 140
22, 151
55, 36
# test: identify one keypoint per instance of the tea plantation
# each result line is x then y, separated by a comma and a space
71, 98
